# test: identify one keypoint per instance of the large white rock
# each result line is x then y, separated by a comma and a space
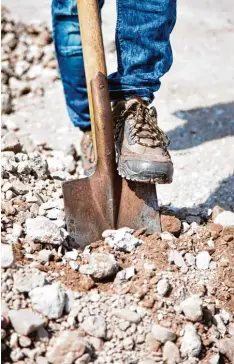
25, 321
26, 279
49, 300
191, 342
163, 287
225, 218
192, 308
163, 334
203, 260
95, 326
66, 348
122, 239
43, 230
100, 266
7, 256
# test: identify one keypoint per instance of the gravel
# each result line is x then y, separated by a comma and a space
41, 229
100, 266
27, 279
122, 239
192, 308
7, 256
162, 334
203, 260
191, 342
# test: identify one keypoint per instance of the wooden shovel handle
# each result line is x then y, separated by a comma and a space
92, 45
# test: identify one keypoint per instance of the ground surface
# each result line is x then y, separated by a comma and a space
128, 298
195, 103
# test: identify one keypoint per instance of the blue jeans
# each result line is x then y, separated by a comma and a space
143, 51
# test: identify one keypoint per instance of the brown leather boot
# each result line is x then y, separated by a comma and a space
141, 146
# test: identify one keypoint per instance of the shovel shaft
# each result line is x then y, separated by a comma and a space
92, 46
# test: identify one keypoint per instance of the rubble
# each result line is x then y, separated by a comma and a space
28, 64
49, 300
25, 321
192, 308
27, 279
41, 229
7, 256
122, 239
100, 266
191, 342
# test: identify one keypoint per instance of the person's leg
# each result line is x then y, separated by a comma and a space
143, 47
67, 40
144, 55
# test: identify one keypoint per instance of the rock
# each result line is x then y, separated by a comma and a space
192, 308
122, 239
190, 259
95, 326
66, 348
49, 300
226, 347
220, 325
26, 279
170, 224
43, 230
100, 266
25, 321
19, 187
225, 218
176, 257
162, 334
126, 273
39, 165
7, 256
214, 359
231, 329
216, 211
44, 255
203, 260
72, 254
171, 353
190, 343
24, 341
163, 287
10, 142
127, 314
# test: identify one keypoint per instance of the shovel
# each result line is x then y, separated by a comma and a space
104, 200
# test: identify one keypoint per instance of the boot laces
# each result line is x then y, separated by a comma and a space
143, 127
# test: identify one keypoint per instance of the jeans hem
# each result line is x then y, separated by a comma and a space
125, 94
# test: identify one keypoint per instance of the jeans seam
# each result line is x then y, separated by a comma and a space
118, 40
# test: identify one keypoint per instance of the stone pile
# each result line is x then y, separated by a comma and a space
131, 298
28, 60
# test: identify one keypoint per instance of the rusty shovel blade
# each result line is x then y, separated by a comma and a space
105, 200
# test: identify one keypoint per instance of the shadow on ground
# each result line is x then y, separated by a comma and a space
202, 125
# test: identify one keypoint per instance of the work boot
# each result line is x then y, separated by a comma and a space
87, 153
141, 146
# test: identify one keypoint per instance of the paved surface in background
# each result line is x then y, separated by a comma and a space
195, 103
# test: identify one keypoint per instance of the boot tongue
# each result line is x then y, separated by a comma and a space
134, 100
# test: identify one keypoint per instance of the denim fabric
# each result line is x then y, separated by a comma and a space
143, 51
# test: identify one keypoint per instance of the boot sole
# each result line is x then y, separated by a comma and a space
125, 172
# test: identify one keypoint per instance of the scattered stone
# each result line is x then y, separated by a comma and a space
25, 321
225, 218
163, 287
216, 211
171, 353
24, 341
122, 239
7, 256
44, 255
190, 343
190, 259
220, 325
127, 314
203, 260
95, 326
214, 359
26, 279
100, 266
72, 254
226, 347
170, 224
19, 187
66, 348
43, 230
49, 300
11, 143
162, 334
192, 308
176, 258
